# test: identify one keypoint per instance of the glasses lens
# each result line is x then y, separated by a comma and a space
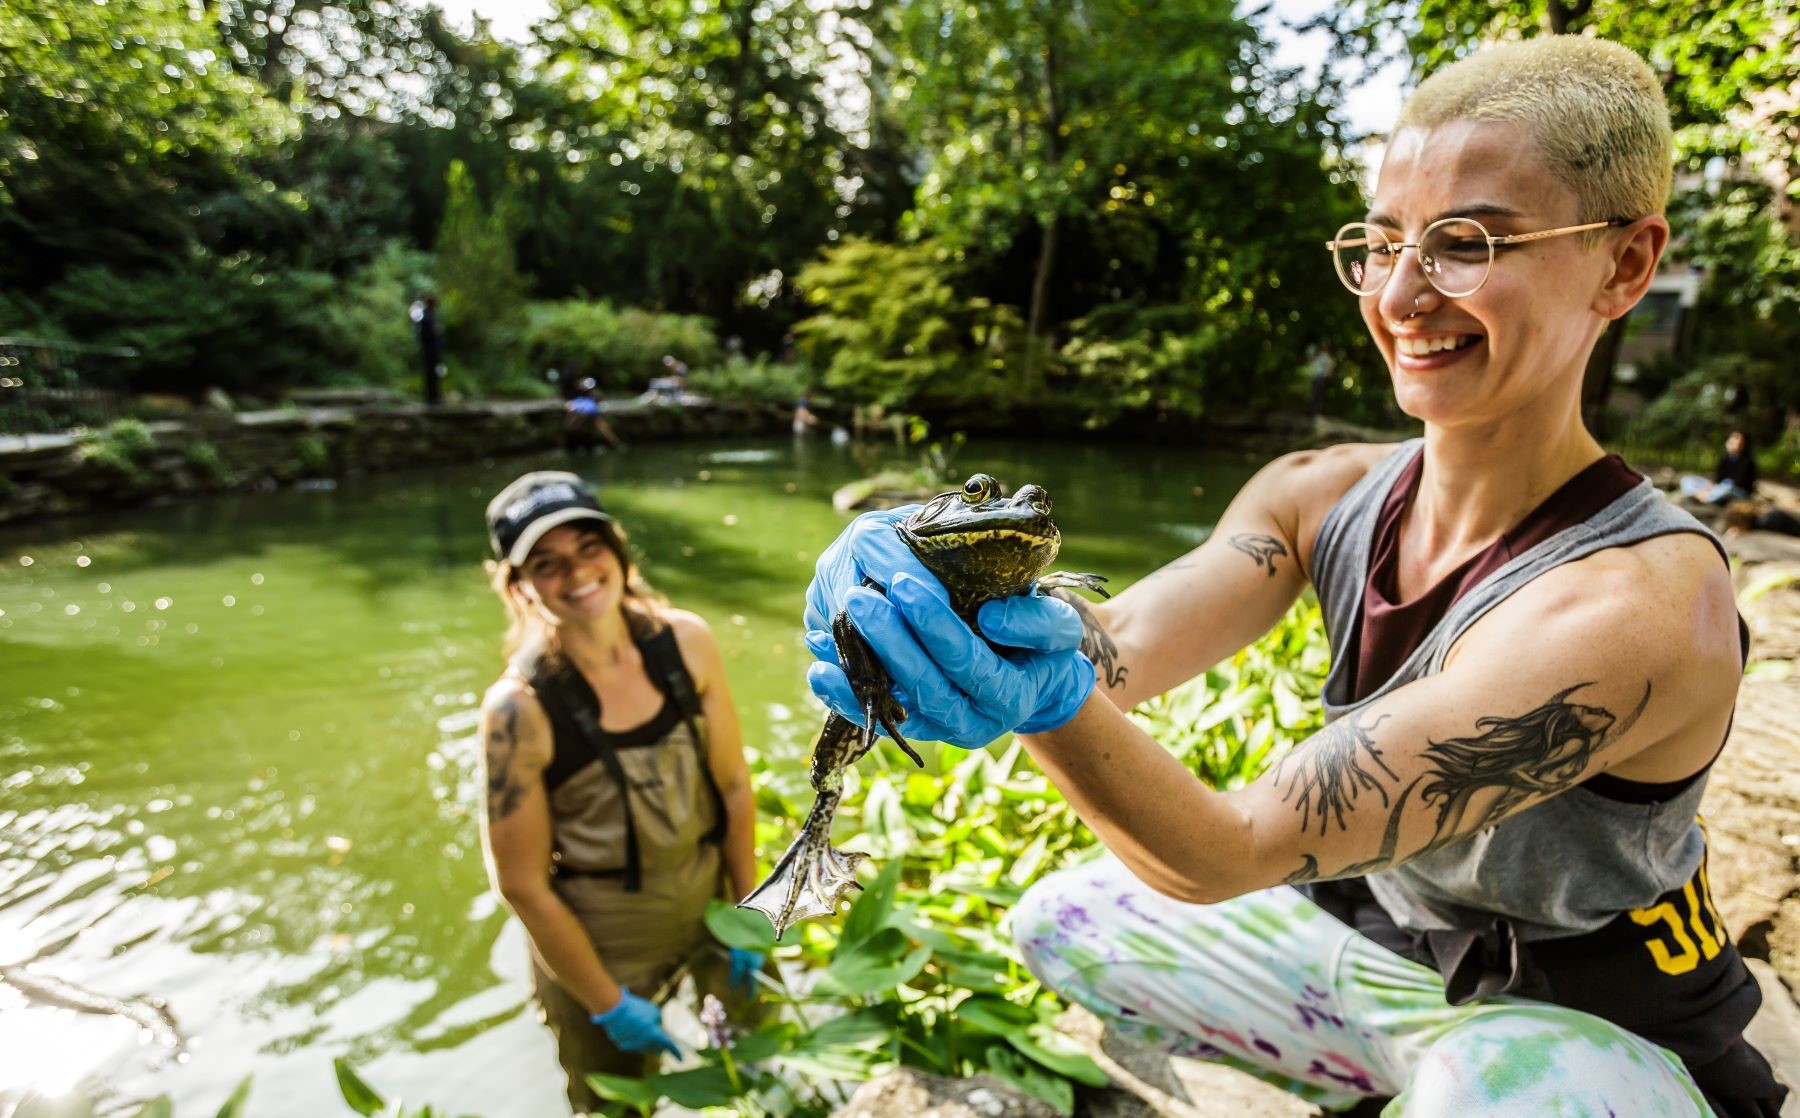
1363, 258
1456, 256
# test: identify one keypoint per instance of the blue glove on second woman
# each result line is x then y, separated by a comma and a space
635, 1025
956, 688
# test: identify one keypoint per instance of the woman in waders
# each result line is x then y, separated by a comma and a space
618, 799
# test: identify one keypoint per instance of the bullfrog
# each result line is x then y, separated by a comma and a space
982, 545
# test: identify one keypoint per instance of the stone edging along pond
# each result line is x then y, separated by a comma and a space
134, 464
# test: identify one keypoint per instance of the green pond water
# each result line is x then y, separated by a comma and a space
238, 764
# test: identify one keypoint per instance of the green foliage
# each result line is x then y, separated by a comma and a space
204, 458
761, 379
370, 314
308, 456
892, 328
221, 323
621, 348
482, 291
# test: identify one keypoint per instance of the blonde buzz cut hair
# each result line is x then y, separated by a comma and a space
1594, 109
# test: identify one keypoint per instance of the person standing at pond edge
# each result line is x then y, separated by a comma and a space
430, 333
1481, 888
619, 802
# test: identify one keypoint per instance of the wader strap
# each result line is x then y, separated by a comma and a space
578, 701
663, 663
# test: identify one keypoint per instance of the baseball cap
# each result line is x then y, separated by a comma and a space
520, 514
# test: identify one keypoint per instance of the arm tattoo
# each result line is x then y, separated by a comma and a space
504, 793
1328, 774
1263, 549
1538, 754
1096, 644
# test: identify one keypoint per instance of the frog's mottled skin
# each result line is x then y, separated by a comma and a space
981, 545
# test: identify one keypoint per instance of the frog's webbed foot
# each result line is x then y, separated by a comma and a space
1072, 580
811, 878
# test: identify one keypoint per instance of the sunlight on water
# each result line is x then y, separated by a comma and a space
241, 772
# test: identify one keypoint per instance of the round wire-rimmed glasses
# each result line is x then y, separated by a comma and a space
1455, 253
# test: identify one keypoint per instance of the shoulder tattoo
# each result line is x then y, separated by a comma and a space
503, 788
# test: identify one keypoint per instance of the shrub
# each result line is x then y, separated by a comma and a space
761, 379
370, 314
204, 458
621, 348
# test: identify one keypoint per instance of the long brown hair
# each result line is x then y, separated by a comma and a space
526, 625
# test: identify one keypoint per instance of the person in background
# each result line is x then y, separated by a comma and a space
430, 333
619, 802
583, 425
1759, 516
803, 414
1480, 887
1734, 479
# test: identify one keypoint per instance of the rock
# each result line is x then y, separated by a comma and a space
219, 400
1171, 1086
910, 1093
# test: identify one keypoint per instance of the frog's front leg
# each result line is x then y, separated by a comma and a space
1071, 580
869, 682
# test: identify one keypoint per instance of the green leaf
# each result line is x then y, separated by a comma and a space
1004, 894
1059, 1053
359, 1095
872, 912
763, 1043
996, 1015
620, 1088
739, 927
880, 962
234, 1106
853, 1029
1007, 1066
158, 1107
696, 1088
852, 1063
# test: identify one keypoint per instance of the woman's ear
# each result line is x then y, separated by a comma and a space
1634, 259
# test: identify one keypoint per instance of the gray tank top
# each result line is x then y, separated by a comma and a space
1561, 867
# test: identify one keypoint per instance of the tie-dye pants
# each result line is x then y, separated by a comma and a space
1271, 984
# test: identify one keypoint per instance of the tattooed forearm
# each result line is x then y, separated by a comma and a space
1096, 644
1471, 782
1327, 775
504, 792
1262, 549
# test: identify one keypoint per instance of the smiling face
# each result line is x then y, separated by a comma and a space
1523, 338
573, 574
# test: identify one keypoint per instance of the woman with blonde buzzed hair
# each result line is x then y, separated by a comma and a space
1481, 888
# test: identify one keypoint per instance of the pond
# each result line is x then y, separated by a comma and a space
239, 762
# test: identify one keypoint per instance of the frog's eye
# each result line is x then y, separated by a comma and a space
978, 489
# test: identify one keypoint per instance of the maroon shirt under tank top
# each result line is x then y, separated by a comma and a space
1389, 630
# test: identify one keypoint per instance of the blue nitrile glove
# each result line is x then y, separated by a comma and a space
870, 548
954, 687
635, 1025
744, 966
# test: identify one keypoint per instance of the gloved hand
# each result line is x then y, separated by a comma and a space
744, 966
635, 1025
954, 687
869, 548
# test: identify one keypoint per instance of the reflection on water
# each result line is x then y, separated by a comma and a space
238, 759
